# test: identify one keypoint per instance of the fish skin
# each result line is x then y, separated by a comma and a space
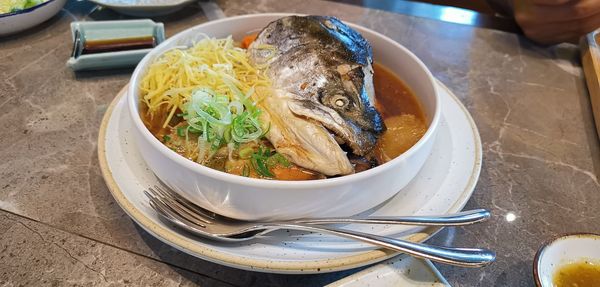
325, 67
302, 140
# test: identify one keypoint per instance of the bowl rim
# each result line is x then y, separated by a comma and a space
27, 10
270, 183
538, 255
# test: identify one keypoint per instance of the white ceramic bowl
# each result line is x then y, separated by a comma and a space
144, 8
20, 20
259, 199
564, 250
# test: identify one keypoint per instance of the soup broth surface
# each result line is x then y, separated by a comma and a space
400, 109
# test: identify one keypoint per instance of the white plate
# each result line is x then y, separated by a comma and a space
443, 185
144, 8
402, 271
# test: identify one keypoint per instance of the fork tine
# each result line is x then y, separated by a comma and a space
161, 210
186, 202
177, 207
190, 205
175, 218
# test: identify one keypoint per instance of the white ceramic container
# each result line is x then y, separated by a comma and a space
258, 199
566, 249
20, 20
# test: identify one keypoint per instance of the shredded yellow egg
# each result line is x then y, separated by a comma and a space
216, 64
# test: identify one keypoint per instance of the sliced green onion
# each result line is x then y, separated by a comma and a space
220, 120
246, 152
193, 130
166, 138
258, 161
278, 158
181, 131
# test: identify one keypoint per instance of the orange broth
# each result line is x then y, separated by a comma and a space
402, 113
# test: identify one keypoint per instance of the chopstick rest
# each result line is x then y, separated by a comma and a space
112, 44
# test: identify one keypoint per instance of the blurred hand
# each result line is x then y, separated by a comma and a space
555, 21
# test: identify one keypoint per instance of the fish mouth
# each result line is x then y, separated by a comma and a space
360, 142
344, 131
357, 147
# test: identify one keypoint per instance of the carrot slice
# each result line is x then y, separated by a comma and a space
246, 41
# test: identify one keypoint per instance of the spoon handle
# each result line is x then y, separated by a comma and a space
465, 257
455, 219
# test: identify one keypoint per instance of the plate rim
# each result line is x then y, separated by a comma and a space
379, 270
284, 266
140, 6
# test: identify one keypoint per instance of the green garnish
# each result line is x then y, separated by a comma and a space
278, 158
220, 120
264, 159
11, 6
166, 138
246, 153
259, 162
31, 3
181, 131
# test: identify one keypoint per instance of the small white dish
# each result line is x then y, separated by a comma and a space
444, 185
260, 199
563, 250
20, 20
144, 8
97, 30
402, 271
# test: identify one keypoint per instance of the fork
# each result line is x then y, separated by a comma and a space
186, 215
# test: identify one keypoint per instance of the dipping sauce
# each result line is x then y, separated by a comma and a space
579, 274
118, 44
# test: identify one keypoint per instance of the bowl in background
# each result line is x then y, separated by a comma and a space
259, 199
20, 20
571, 248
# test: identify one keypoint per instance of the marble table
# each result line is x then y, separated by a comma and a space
60, 226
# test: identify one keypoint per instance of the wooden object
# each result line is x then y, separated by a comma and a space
590, 58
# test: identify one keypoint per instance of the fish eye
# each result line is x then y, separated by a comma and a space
340, 101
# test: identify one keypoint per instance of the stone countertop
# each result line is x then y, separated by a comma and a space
60, 225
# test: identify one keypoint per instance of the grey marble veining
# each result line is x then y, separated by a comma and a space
33, 254
539, 175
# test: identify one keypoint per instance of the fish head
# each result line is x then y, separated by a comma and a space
344, 104
351, 94
327, 66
